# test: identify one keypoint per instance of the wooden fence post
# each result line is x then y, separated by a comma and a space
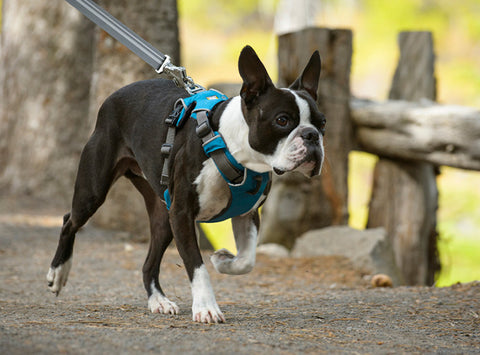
297, 204
404, 196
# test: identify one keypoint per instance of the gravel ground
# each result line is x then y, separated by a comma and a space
284, 306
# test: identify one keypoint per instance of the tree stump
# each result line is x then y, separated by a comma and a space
297, 204
404, 197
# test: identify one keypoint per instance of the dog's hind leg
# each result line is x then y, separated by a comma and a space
245, 230
161, 236
96, 173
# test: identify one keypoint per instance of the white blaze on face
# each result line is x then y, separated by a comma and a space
292, 150
304, 110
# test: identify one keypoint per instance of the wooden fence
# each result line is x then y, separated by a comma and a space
423, 131
411, 134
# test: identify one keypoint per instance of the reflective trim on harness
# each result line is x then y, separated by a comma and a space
204, 101
246, 186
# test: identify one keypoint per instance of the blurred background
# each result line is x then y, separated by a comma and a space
212, 34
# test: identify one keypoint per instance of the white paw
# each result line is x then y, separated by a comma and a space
204, 307
227, 263
207, 313
157, 303
57, 277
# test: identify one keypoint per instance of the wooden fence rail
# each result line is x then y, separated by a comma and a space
425, 131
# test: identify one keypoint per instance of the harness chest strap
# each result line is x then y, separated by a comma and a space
214, 146
246, 186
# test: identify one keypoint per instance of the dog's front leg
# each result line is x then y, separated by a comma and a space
204, 305
245, 230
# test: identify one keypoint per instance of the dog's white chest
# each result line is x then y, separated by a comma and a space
213, 191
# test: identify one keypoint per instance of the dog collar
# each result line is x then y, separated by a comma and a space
246, 186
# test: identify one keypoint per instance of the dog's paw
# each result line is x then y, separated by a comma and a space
57, 276
227, 263
207, 314
204, 307
223, 255
158, 303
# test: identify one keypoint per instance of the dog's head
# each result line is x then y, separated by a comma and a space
285, 125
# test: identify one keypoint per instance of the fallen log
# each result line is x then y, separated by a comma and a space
425, 131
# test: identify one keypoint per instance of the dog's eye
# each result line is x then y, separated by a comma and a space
322, 124
282, 121
322, 127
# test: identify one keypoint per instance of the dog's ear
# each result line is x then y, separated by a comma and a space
308, 80
255, 77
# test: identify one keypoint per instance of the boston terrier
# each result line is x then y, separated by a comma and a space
264, 128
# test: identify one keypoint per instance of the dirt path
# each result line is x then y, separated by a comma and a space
283, 307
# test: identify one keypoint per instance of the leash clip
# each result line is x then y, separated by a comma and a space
179, 76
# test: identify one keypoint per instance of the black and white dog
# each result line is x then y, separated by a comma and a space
265, 129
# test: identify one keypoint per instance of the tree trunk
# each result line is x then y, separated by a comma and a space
114, 67
297, 204
404, 196
45, 68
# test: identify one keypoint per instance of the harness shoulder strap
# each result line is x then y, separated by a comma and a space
215, 147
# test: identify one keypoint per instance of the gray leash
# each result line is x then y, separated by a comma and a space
152, 56
162, 65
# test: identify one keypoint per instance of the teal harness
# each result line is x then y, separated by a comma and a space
246, 186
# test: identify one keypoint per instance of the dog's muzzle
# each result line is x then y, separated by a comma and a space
307, 156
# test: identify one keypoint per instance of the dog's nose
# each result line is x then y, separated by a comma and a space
311, 135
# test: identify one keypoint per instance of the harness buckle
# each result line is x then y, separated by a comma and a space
172, 119
203, 129
166, 149
164, 180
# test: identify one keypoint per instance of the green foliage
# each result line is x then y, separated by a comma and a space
459, 260
383, 17
225, 14
459, 223
360, 179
